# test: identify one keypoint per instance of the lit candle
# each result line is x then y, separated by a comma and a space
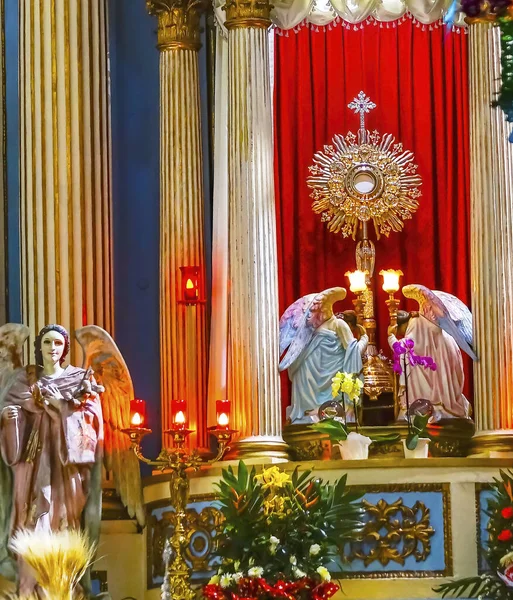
137, 413
391, 280
190, 284
357, 281
223, 413
178, 412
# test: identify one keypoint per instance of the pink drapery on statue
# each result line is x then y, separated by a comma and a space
51, 453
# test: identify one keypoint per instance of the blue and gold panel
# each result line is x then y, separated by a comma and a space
202, 521
407, 533
484, 492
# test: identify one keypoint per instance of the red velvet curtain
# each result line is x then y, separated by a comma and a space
418, 79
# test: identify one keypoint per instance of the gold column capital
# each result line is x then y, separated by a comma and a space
178, 23
248, 13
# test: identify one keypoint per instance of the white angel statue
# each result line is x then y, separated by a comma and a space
58, 426
318, 345
441, 329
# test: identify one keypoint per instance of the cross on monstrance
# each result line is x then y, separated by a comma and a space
361, 104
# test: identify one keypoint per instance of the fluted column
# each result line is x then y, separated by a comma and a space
182, 328
253, 383
66, 248
492, 246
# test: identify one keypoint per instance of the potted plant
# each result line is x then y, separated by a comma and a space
416, 444
497, 581
280, 534
346, 388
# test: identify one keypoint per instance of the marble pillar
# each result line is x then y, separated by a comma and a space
65, 165
491, 247
183, 343
253, 379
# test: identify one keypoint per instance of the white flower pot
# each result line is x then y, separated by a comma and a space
356, 447
421, 451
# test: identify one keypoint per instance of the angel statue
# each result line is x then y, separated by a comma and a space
441, 329
58, 426
318, 344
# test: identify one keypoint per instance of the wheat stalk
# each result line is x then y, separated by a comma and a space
58, 559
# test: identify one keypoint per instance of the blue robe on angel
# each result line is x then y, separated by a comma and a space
319, 345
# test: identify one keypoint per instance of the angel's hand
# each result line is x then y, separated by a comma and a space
53, 396
11, 413
392, 330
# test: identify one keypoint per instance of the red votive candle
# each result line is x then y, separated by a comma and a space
137, 413
223, 413
190, 284
178, 412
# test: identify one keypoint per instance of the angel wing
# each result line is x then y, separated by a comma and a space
446, 311
301, 319
12, 338
104, 357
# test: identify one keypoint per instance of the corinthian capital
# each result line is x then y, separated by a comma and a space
247, 13
178, 23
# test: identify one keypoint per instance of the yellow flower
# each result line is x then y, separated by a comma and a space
347, 386
335, 384
507, 559
273, 478
324, 573
214, 580
274, 505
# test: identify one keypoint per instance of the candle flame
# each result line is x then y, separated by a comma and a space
223, 420
180, 417
189, 285
136, 419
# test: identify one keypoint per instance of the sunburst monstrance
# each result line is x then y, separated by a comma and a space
362, 177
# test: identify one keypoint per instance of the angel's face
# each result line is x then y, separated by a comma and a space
52, 347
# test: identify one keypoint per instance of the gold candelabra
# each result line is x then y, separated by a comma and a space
179, 461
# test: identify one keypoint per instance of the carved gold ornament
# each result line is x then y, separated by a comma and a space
394, 532
178, 23
364, 177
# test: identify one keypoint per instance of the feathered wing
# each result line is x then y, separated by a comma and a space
301, 319
12, 339
446, 311
110, 370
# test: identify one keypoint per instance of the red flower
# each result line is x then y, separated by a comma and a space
507, 512
505, 535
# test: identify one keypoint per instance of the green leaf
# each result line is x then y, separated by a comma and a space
411, 441
385, 438
336, 430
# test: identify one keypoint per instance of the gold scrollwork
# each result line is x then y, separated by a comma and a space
394, 532
200, 530
247, 13
178, 23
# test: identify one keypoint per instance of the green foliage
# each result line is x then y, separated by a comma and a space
416, 430
499, 550
285, 524
338, 432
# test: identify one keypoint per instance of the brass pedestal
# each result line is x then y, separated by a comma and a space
258, 448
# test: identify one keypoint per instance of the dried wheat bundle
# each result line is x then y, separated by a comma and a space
58, 559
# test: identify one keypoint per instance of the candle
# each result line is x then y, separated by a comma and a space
178, 411
190, 284
223, 413
137, 413
391, 280
357, 281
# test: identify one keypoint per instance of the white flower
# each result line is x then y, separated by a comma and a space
298, 574
314, 549
255, 572
226, 580
214, 580
274, 540
237, 576
293, 560
324, 573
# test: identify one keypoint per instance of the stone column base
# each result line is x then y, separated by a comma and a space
262, 448
493, 444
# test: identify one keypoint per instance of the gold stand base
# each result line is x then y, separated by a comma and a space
493, 444
260, 448
449, 438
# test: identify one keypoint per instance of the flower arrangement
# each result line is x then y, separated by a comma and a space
498, 583
59, 559
280, 534
405, 358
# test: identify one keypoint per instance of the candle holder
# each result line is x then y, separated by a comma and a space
391, 285
179, 461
